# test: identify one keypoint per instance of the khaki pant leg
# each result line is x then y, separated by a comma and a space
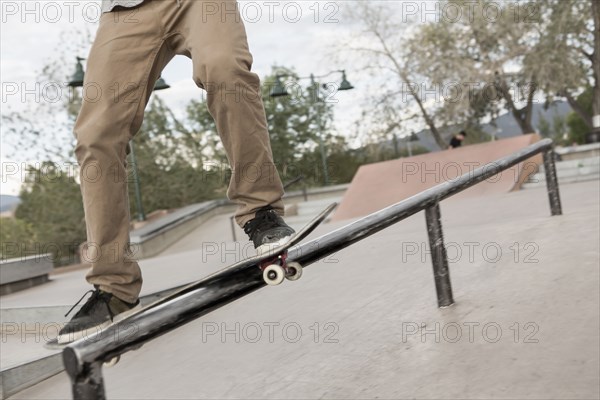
215, 37
125, 62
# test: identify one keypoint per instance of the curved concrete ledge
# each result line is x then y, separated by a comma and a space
579, 152
15, 379
154, 237
24, 272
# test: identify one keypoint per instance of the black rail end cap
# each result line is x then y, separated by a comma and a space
71, 362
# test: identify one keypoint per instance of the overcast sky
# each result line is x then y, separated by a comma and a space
301, 35
292, 34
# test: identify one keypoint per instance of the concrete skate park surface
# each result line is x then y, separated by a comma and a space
376, 186
363, 323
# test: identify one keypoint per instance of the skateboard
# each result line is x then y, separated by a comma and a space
273, 264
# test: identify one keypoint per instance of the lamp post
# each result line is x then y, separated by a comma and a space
77, 81
411, 138
77, 78
159, 85
279, 90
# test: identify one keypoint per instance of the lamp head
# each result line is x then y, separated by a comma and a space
345, 85
278, 90
160, 84
77, 77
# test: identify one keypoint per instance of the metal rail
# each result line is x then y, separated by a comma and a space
300, 178
427, 200
83, 359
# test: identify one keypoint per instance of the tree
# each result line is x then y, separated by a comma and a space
173, 158
43, 130
383, 44
16, 237
181, 161
595, 59
554, 129
477, 60
296, 124
578, 127
567, 57
520, 51
51, 205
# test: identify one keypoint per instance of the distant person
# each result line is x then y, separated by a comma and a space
457, 140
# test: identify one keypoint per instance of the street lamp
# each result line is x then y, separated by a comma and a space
279, 90
159, 85
411, 138
77, 80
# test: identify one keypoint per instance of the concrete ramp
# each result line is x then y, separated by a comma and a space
363, 323
379, 185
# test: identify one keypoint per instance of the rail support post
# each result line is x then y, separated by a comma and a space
89, 384
232, 223
552, 183
439, 257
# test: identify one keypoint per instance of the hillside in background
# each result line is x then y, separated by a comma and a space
8, 203
502, 127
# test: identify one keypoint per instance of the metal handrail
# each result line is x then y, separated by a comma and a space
83, 359
428, 201
293, 182
381, 219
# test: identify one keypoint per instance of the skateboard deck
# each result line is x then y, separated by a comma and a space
274, 258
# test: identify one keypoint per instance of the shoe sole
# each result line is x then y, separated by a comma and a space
86, 333
267, 248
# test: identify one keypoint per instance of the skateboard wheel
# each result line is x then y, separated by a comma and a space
294, 271
112, 362
274, 274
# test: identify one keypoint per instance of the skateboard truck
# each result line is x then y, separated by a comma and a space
276, 269
274, 264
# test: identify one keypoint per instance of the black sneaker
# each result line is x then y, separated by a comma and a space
267, 230
100, 310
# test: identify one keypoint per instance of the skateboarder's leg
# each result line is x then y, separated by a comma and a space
222, 62
123, 65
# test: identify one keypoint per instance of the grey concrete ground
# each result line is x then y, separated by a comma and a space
364, 324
